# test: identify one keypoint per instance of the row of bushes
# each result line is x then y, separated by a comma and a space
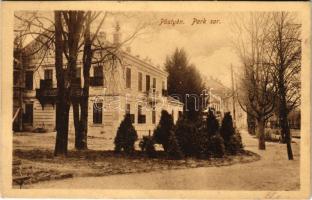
183, 139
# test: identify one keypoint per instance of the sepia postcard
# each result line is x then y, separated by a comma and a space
155, 100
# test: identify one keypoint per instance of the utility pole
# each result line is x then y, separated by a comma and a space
233, 96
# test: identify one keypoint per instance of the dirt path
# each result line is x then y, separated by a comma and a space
272, 172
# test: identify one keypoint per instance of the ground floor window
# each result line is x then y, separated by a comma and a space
97, 113
28, 113
154, 116
141, 117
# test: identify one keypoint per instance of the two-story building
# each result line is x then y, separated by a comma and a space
132, 85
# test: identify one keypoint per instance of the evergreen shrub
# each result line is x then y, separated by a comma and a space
126, 136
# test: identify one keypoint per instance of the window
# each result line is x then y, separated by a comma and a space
140, 81
154, 83
98, 71
132, 117
28, 113
97, 113
164, 91
148, 80
29, 80
141, 117
180, 114
97, 79
128, 78
154, 116
48, 73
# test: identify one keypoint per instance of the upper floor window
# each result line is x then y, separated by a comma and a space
98, 76
98, 71
148, 83
29, 80
48, 74
154, 83
140, 83
128, 78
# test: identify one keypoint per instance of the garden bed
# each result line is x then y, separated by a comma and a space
105, 163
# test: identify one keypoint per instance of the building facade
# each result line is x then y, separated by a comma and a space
131, 85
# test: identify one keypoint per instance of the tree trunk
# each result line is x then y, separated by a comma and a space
283, 114
251, 124
285, 131
62, 118
261, 124
62, 103
76, 117
83, 124
84, 102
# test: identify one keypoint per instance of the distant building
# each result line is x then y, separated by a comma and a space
134, 86
220, 100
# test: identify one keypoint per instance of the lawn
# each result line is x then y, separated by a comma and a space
38, 163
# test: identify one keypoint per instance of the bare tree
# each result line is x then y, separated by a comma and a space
74, 37
285, 57
257, 90
63, 103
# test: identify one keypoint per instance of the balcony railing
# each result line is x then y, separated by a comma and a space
96, 81
153, 95
46, 94
46, 83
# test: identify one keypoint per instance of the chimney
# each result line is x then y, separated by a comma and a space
117, 34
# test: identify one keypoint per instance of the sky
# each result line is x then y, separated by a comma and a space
207, 45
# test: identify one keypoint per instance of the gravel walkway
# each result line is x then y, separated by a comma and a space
273, 172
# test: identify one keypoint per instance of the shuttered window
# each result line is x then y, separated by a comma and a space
128, 78
154, 83
48, 74
140, 79
148, 83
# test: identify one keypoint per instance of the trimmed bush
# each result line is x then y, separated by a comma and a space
212, 124
227, 128
232, 139
162, 132
234, 145
147, 146
126, 136
188, 137
216, 146
173, 150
